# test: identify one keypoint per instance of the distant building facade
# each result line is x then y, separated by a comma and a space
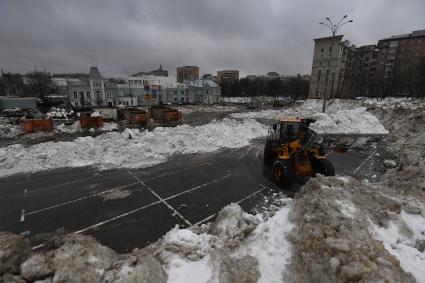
362, 77
227, 76
329, 74
187, 73
398, 55
92, 91
194, 91
369, 70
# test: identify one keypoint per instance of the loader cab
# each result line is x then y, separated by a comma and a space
288, 130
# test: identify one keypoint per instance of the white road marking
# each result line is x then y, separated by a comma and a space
254, 193
116, 217
199, 186
80, 199
177, 171
155, 203
107, 191
257, 155
161, 199
245, 198
364, 162
146, 206
204, 220
22, 215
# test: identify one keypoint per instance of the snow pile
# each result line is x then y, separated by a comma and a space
96, 114
407, 133
76, 258
405, 239
237, 247
303, 109
9, 131
332, 240
355, 121
131, 148
393, 102
61, 113
248, 99
206, 108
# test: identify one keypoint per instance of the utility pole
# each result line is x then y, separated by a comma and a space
334, 29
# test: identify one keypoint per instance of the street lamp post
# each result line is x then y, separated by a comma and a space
334, 29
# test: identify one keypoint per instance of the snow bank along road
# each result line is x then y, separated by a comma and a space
126, 208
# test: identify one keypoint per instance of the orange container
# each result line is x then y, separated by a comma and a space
34, 125
86, 121
140, 118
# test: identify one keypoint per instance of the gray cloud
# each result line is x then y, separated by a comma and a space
255, 36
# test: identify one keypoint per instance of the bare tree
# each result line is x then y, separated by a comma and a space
40, 84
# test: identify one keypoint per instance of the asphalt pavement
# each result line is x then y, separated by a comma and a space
125, 209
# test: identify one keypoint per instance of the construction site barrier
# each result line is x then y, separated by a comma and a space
34, 125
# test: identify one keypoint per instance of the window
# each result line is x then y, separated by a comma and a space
330, 48
322, 49
82, 94
75, 95
88, 95
97, 94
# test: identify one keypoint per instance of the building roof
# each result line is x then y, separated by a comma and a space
337, 37
200, 83
94, 73
70, 75
416, 33
79, 83
188, 67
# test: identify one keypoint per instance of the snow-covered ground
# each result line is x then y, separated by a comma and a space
237, 245
355, 121
207, 108
341, 117
337, 229
11, 131
131, 148
404, 237
393, 102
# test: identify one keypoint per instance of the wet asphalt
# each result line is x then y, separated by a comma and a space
125, 209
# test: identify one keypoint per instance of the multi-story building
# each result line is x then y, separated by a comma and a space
145, 90
194, 91
93, 91
328, 74
361, 71
187, 73
227, 76
398, 56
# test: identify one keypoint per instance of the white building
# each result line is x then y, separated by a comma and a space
94, 91
194, 91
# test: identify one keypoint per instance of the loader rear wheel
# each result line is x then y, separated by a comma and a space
283, 173
325, 167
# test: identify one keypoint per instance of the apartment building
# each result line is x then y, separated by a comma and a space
227, 76
328, 74
187, 73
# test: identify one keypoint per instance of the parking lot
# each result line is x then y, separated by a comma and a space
125, 209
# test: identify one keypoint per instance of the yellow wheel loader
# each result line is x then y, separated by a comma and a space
292, 149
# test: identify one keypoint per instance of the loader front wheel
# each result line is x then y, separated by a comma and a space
283, 173
325, 167
268, 154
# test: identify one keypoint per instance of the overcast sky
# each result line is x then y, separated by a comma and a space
254, 36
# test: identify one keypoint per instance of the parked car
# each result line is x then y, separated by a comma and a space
13, 112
